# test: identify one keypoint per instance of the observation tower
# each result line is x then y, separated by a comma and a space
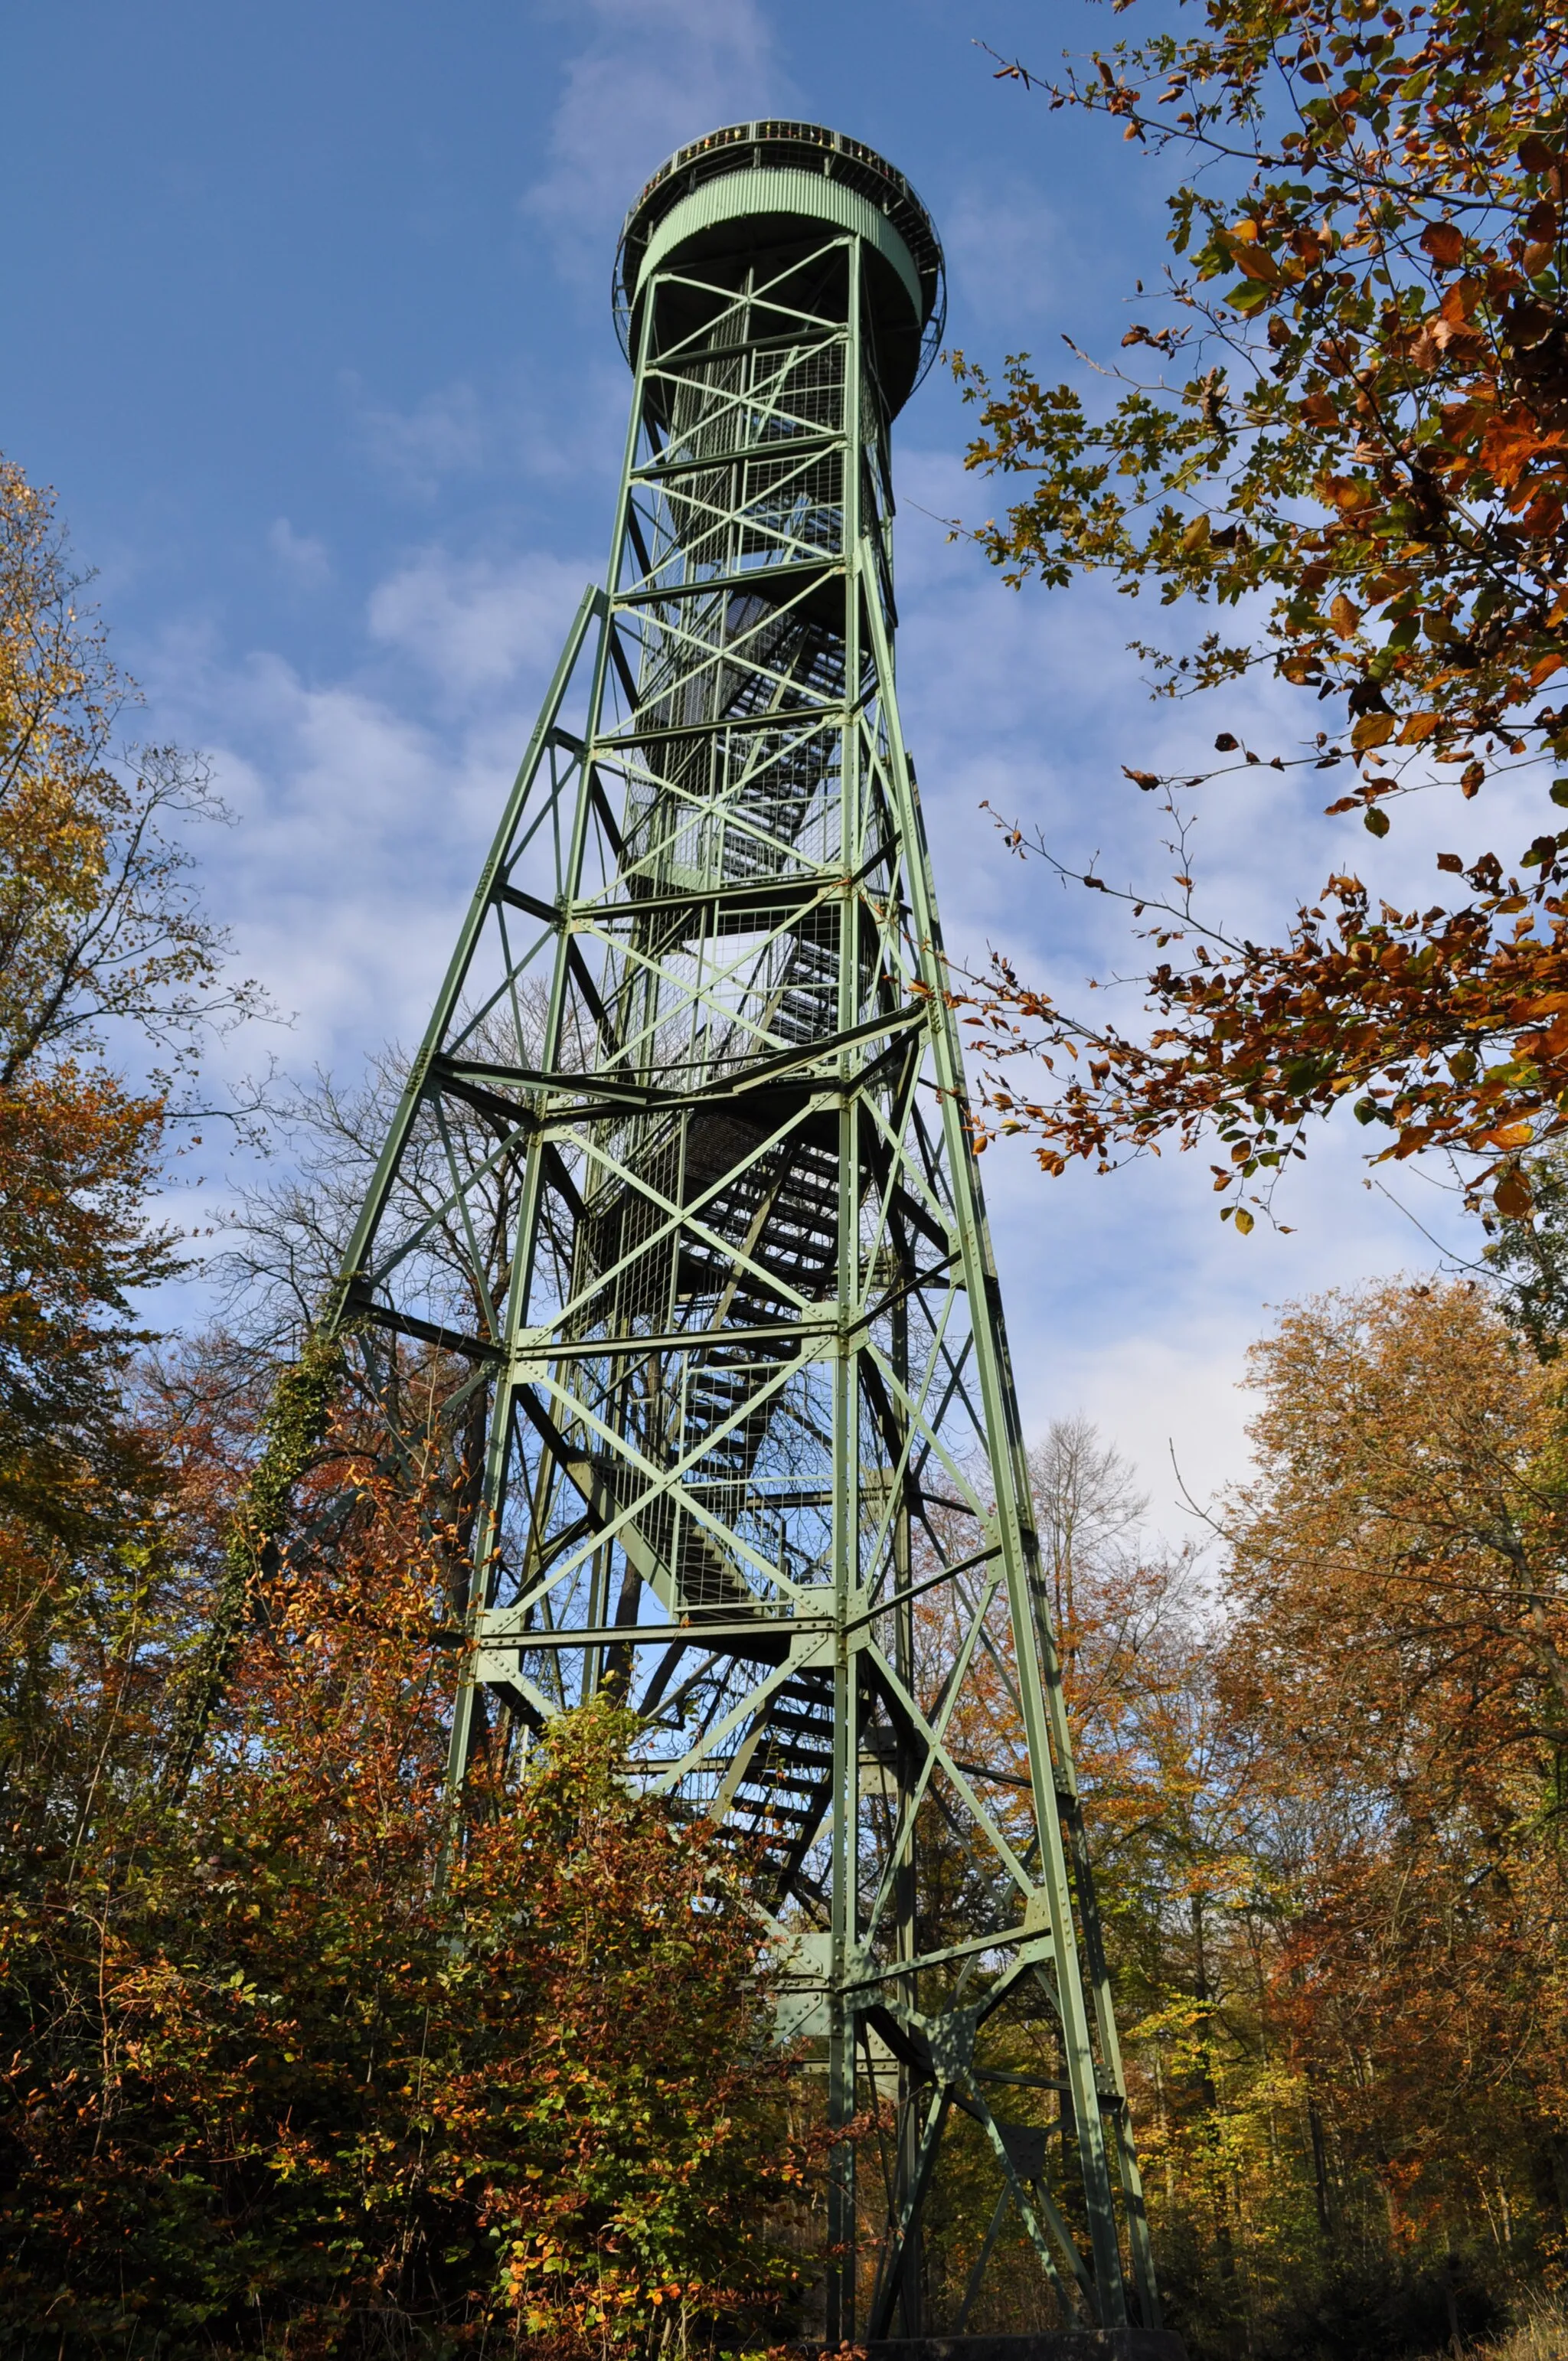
677, 1244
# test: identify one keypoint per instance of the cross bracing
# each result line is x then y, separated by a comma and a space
680, 1220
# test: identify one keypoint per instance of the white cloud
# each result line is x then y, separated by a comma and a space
302, 558
476, 623
651, 74
366, 804
1003, 248
1126, 1296
527, 428
444, 435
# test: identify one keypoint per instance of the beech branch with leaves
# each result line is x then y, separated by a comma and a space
1368, 467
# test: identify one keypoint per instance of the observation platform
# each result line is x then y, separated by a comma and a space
750, 189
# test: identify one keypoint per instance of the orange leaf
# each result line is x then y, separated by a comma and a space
1444, 243
1418, 729
1254, 263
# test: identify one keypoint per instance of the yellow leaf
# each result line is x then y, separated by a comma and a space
1372, 730
1243, 1220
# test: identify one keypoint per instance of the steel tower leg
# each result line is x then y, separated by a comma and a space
682, 1186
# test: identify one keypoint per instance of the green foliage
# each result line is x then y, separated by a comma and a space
294, 1425
1528, 1254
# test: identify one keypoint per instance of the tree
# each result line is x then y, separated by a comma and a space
1088, 1507
101, 935
1357, 441
265, 2081
1397, 1646
106, 957
1526, 1256
1320, 1790
1176, 1821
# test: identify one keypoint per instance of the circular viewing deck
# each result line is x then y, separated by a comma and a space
748, 186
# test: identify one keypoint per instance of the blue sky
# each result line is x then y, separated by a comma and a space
311, 332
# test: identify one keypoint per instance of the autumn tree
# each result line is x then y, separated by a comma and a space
268, 2079
1174, 1819
109, 975
1309, 2172
1399, 1648
1339, 427
105, 957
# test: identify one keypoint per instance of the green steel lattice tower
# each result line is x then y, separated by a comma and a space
679, 1223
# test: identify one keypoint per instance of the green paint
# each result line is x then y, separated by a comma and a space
683, 1181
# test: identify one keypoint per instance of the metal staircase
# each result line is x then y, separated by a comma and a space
715, 1268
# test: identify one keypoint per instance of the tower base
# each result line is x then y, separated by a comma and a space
1058, 2345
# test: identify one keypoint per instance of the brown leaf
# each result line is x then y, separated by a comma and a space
1451, 860
1529, 323
1445, 243
1345, 617
1512, 1196
1534, 154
